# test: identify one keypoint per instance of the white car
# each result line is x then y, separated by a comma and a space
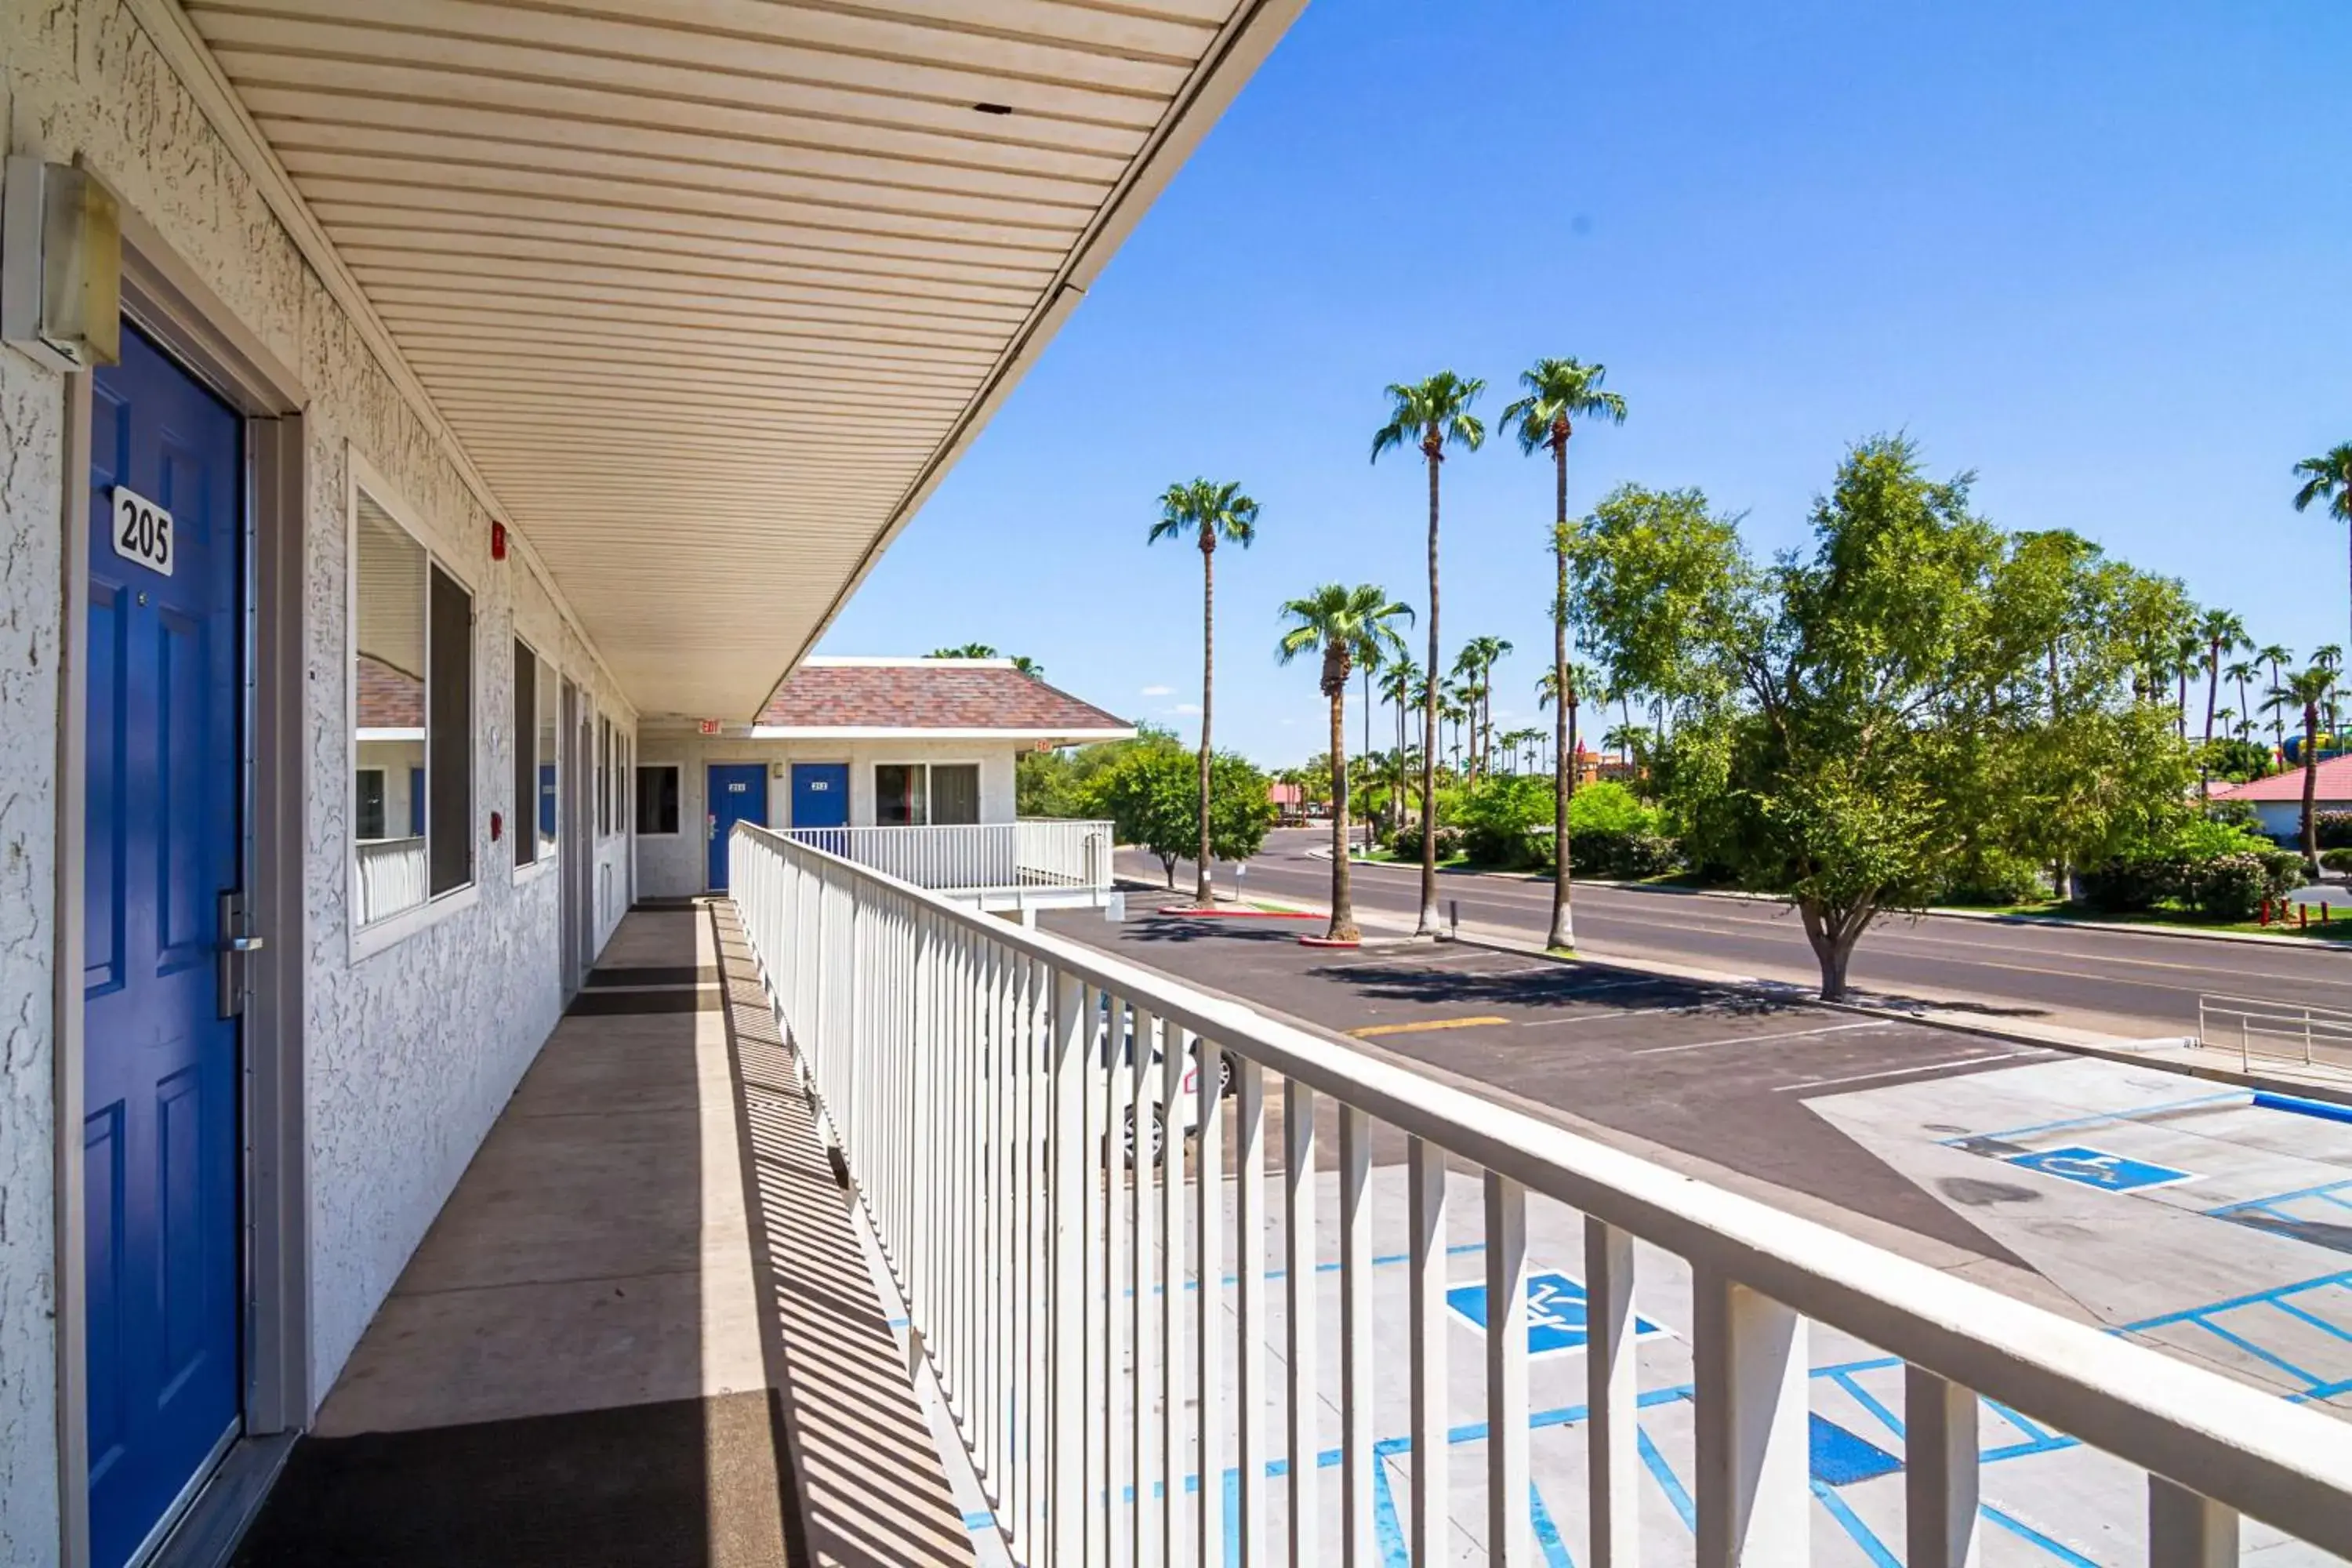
1188, 1111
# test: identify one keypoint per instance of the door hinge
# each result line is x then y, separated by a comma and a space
237, 945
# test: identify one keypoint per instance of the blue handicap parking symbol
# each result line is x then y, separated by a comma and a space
2097, 1168
1556, 1320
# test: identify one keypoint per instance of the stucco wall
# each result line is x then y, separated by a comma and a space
411, 1052
675, 867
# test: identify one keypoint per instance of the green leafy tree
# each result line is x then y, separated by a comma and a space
965, 650
1148, 796
1558, 393
1060, 783
2305, 693
2327, 480
1431, 416
1347, 627
1207, 512
1848, 712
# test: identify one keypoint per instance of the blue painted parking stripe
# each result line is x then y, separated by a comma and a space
2243, 1344
2018, 1527
1387, 1533
2254, 1298
1862, 1534
1845, 1379
1667, 1483
2242, 1097
1547, 1532
2314, 1319
2323, 1191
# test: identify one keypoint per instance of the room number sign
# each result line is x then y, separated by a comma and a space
143, 530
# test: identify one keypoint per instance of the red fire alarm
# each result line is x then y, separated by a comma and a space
497, 540
497, 825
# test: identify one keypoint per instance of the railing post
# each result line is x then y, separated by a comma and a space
1749, 1356
1176, 1046
1357, 1543
2187, 1530
1249, 1245
1425, 1219
1510, 1525
1613, 1389
1939, 1461
1209, 1214
1065, 1499
1305, 1342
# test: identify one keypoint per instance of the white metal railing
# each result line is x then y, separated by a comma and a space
2275, 1031
1031, 855
390, 877
1109, 1337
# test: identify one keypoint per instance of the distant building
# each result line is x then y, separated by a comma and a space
2278, 799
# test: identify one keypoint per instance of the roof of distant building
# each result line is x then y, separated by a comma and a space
389, 698
2333, 785
943, 698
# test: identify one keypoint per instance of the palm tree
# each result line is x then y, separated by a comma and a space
1028, 667
2306, 690
1400, 684
1209, 511
1432, 415
2274, 655
967, 651
1347, 627
2329, 656
1558, 393
2222, 632
1476, 665
2239, 672
2328, 478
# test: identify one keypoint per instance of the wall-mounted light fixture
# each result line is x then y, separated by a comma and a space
60, 265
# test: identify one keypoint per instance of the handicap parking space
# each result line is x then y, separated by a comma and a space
2046, 1500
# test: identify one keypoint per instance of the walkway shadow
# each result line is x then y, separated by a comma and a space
869, 1489
1550, 988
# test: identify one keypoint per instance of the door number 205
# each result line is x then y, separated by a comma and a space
143, 530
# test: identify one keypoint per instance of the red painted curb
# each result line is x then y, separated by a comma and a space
1200, 914
1331, 941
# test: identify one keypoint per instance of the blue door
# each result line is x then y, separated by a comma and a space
160, 1063
819, 795
738, 792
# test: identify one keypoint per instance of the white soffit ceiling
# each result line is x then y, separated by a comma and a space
711, 291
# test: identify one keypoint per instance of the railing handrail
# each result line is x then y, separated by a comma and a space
2283, 1464
2269, 1005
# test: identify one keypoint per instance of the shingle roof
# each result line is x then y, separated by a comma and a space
390, 698
2334, 784
930, 694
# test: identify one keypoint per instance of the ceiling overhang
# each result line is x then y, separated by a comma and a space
706, 295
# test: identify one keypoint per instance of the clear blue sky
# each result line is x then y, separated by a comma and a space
2100, 253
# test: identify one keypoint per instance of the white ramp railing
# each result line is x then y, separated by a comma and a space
1039, 855
2293, 1032
1134, 1384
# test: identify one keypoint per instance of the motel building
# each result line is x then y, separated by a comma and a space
446, 1121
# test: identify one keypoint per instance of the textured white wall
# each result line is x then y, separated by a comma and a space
409, 1054
675, 868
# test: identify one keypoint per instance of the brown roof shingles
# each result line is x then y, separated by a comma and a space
943, 695
390, 698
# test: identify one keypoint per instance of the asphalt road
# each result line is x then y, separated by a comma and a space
2113, 982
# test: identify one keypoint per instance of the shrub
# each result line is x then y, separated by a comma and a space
2225, 888
1991, 877
2335, 829
1406, 842
1607, 807
2129, 886
2336, 859
1506, 822
1624, 853
2285, 870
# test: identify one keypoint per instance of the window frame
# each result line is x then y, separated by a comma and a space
522, 816
638, 798
364, 942
548, 725
980, 773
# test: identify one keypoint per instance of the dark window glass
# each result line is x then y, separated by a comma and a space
899, 796
657, 799
369, 822
526, 753
449, 708
955, 794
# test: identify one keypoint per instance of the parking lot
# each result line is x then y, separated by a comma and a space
2200, 1219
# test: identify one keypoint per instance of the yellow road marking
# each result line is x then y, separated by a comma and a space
1423, 1025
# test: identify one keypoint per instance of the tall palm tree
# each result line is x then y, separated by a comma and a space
1347, 627
2238, 672
1432, 415
1476, 665
1558, 393
2222, 632
1209, 511
1400, 684
2274, 655
2308, 692
2328, 478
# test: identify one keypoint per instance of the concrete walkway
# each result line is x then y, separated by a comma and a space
641, 1331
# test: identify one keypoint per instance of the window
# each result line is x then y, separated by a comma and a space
915, 795
549, 689
657, 799
388, 708
449, 734
526, 752
368, 823
604, 778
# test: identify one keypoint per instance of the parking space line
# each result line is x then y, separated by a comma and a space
1588, 1017
1898, 1072
1420, 1025
1759, 1039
